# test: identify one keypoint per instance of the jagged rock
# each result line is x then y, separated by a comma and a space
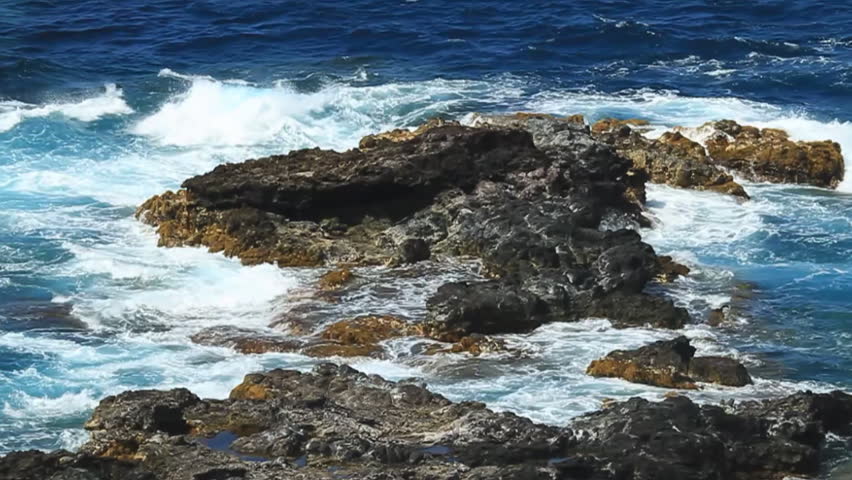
676, 438
367, 331
769, 155
64, 465
721, 370
336, 422
280, 209
662, 364
463, 308
401, 134
672, 159
527, 194
670, 364
636, 310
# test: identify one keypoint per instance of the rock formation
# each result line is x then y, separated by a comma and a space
338, 423
526, 194
670, 364
671, 159
768, 154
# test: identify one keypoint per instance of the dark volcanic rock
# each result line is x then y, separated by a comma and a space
338, 423
529, 195
670, 363
394, 180
462, 308
63, 465
679, 439
721, 370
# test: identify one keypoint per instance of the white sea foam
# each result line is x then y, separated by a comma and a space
109, 102
22, 405
213, 112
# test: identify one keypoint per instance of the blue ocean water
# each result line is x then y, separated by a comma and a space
103, 104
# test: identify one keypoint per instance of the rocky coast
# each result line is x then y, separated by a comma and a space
543, 211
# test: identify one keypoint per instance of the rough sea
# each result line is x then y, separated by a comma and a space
104, 104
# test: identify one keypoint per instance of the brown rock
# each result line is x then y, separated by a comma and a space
769, 155
401, 134
366, 330
474, 344
669, 364
673, 159
662, 364
245, 340
323, 350
335, 279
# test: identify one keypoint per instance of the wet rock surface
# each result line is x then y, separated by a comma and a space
670, 364
671, 159
335, 422
526, 194
768, 154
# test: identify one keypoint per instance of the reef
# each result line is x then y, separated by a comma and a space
335, 422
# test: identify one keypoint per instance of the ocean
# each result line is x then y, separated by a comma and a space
104, 104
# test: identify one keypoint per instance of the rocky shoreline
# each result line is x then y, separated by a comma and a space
336, 422
547, 209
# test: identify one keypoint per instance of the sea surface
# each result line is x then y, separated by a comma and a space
105, 103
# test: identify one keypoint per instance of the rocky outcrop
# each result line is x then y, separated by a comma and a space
527, 194
670, 364
677, 438
768, 154
335, 422
672, 159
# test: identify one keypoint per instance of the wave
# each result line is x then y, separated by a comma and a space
231, 113
109, 102
219, 113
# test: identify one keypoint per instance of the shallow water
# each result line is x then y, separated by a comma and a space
103, 105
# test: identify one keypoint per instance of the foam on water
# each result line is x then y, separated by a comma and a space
109, 102
228, 113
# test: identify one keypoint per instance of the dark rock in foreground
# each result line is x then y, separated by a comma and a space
339, 423
671, 364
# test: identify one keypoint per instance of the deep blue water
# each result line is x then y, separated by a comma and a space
103, 104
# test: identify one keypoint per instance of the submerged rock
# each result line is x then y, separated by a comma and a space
769, 155
670, 364
335, 422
